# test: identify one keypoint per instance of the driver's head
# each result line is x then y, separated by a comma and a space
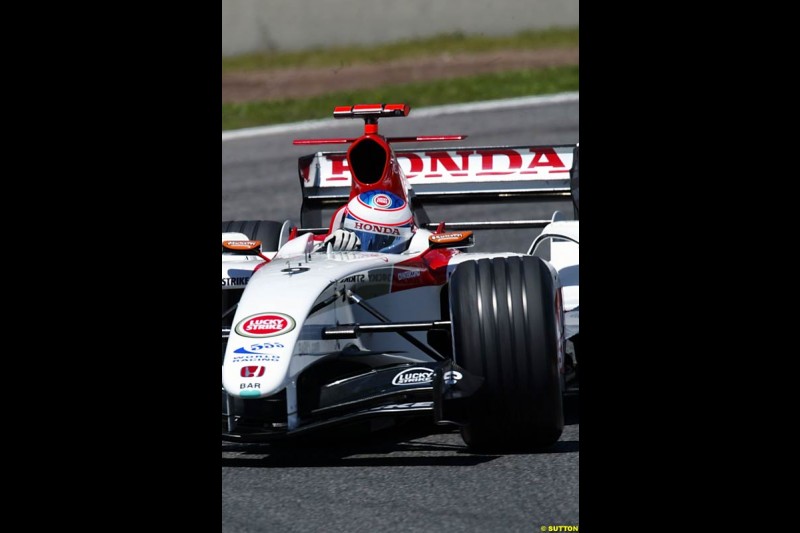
382, 220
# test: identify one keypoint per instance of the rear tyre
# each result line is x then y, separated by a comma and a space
266, 231
506, 329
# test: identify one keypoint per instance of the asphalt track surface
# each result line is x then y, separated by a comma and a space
418, 477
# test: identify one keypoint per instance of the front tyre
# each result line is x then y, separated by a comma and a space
505, 326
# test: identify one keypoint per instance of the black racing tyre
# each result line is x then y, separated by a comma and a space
266, 231
506, 330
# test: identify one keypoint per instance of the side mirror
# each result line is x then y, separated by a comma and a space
242, 247
456, 239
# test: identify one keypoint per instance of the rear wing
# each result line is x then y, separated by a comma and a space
496, 174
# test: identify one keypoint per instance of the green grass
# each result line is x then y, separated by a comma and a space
451, 44
470, 89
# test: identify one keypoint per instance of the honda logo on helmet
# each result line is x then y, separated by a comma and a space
374, 228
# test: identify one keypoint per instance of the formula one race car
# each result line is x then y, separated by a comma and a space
378, 313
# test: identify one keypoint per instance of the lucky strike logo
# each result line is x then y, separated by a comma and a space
381, 200
413, 376
265, 325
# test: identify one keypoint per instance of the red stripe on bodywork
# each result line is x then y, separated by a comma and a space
370, 108
404, 108
431, 265
337, 140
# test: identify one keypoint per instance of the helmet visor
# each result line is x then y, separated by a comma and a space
373, 242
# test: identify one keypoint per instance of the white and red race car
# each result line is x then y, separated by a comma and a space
314, 338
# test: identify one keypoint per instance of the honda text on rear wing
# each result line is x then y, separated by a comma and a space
492, 174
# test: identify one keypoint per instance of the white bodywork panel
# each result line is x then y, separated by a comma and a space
565, 258
274, 326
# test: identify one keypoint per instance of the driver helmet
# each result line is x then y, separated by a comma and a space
382, 220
